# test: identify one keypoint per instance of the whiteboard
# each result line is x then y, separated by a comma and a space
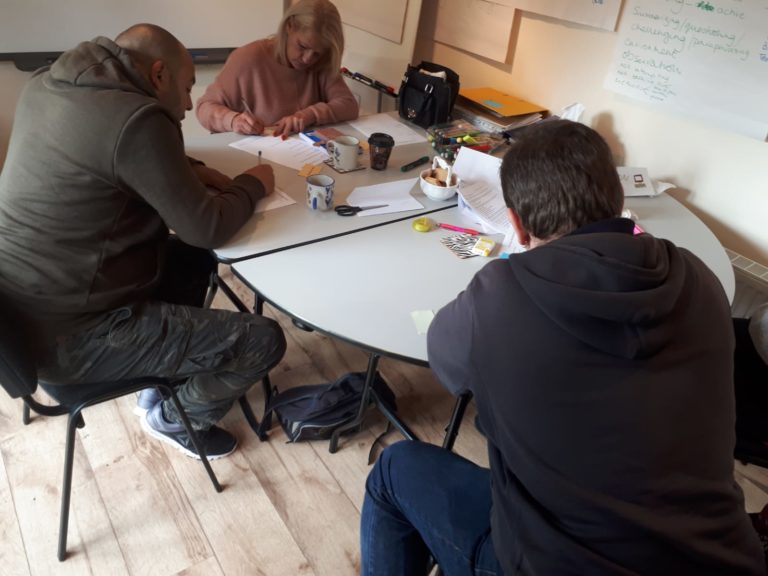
707, 59
57, 25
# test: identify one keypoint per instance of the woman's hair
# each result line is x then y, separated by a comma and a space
559, 176
322, 18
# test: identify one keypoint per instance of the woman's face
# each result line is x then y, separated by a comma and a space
303, 48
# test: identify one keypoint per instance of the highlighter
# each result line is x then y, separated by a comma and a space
414, 164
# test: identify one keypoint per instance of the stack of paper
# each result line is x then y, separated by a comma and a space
495, 111
498, 103
480, 195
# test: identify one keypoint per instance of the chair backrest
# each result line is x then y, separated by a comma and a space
18, 371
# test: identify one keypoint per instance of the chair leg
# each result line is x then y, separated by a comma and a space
213, 288
66, 487
195, 440
25, 414
250, 417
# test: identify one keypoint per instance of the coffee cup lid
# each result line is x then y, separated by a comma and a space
381, 139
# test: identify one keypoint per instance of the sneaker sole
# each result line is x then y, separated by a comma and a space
140, 411
160, 436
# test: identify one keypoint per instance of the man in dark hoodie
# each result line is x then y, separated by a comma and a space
94, 178
601, 363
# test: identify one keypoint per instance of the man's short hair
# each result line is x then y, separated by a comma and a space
152, 43
559, 176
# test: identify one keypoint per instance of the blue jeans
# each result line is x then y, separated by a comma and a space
422, 500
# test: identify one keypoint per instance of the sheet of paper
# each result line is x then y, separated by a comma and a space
396, 195
480, 195
277, 199
480, 189
385, 123
422, 319
474, 166
293, 152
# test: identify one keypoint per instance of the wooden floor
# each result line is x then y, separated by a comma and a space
140, 507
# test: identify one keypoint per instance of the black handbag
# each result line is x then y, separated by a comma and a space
426, 99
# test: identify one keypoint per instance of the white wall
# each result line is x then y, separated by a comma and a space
721, 176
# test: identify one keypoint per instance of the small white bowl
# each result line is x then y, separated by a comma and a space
437, 192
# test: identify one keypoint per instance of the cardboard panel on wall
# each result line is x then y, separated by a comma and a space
384, 19
477, 26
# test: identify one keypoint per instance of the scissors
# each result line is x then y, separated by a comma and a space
347, 210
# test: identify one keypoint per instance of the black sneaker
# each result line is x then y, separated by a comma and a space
217, 442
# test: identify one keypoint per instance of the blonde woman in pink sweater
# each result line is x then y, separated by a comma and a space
290, 81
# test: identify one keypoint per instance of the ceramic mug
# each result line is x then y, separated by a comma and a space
320, 192
344, 150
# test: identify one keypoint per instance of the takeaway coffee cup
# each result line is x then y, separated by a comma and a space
380, 145
320, 192
344, 151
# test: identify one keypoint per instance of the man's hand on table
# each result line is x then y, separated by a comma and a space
266, 175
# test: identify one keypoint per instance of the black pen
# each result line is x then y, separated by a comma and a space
414, 164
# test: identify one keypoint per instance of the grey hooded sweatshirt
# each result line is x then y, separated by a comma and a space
602, 368
95, 175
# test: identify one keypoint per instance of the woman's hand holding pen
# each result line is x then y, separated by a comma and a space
247, 124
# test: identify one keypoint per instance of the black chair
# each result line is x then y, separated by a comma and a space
217, 282
18, 376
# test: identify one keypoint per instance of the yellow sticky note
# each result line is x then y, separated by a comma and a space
310, 170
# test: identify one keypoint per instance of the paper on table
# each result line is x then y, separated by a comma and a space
385, 123
480, 188
397, 196
277, 199
480, 194
292, 152
422, 319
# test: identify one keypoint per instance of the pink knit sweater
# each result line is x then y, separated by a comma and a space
273, 91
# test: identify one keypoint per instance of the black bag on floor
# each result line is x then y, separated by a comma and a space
314, 411
427, 94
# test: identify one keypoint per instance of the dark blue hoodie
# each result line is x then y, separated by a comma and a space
602, 365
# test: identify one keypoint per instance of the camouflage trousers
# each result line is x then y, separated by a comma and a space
219, 353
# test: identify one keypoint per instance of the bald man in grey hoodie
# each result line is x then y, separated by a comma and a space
95, 177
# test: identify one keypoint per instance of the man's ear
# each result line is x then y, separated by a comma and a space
158, 74
523, 237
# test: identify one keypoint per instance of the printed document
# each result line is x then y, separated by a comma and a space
293, 152
277, 199
480, 195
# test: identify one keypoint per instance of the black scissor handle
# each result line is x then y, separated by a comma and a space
346, 210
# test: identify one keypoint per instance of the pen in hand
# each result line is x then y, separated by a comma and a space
247, 108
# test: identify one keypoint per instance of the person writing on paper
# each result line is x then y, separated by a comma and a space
290, 81
95, 176
601, 364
